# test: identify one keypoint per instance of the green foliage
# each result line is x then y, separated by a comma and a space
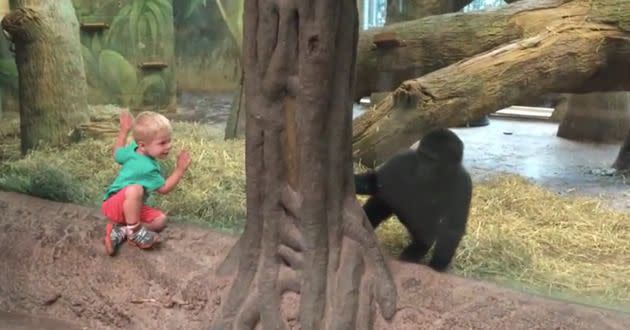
141, 24
90, 65
140, 30
118, 74
43, 181
232, 13
151, 89
191, 6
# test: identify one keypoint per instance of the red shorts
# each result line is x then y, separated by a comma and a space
112, 208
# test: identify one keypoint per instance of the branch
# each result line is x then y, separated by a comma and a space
19, 24
249, 314
560, 60
345, 294
434, 42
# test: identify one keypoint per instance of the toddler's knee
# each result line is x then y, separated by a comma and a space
134, 191
159, 223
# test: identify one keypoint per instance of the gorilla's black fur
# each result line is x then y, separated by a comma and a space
429, 191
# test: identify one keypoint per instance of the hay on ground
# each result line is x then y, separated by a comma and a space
518, 233
523, 235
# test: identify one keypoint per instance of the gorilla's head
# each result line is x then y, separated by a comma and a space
443, 145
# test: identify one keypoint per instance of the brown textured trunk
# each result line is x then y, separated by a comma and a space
305, 233
582, 51
596, 117
623, 158
52, 84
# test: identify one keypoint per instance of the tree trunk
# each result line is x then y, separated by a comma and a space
411, 49
52, 84
490, 81
623, 158
305, 233
596, 117
406, 10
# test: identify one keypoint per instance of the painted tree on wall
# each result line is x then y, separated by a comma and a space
137, 32
52, 83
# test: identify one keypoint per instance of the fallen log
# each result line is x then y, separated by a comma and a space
433, 42
567, 57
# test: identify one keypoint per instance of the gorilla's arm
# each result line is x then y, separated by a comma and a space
366, 183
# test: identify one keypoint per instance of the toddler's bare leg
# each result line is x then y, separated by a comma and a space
132, 205
139, 236
158, 224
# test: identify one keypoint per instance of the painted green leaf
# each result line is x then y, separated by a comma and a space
191, 6
97, 45
134, 18
154, 27
90, 65
117, 73
157, 15
232, 12
117, 29
167, 6
151, 86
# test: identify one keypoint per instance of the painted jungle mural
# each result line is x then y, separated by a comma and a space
128, 51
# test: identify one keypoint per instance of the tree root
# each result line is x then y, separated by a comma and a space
290, 235
355, 223
361, 278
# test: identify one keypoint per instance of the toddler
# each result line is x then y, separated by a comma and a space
124, 201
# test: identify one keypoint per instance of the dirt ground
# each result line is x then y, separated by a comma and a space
54, 267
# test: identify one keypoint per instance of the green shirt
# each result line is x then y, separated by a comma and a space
136, 169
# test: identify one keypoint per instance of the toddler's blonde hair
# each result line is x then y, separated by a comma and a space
148, 125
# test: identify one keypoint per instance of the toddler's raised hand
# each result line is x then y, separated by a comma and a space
183, 160
126, 121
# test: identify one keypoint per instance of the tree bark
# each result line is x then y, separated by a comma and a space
569, 57
596, 117
434, 42
52, 83
622, 162
406, 10
305, 232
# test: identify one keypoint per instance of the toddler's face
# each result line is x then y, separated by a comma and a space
159, 147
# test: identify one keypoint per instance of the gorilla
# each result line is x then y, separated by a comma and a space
429, 190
